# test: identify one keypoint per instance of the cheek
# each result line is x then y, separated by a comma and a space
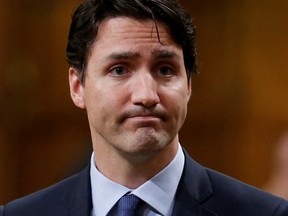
176, 105
182, 109
182, 103
106, 103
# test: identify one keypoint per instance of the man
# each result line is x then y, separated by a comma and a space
130, 68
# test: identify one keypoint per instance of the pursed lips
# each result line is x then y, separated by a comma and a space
145, 116
144, 121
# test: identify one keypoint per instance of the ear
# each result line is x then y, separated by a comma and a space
76, 88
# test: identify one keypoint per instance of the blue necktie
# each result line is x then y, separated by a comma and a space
127, 205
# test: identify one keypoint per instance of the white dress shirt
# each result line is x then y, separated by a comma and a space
158, 192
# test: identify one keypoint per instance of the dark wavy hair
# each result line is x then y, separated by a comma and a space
88, 16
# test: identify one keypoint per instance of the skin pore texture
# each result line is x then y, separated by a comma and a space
135, 94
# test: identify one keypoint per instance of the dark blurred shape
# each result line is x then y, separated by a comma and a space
278, 181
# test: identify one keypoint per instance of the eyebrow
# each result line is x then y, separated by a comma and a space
158, 54
165, 54
122, 55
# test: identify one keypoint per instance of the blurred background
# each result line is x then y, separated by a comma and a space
237, 113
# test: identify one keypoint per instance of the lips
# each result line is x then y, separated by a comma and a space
144, 115
146, 118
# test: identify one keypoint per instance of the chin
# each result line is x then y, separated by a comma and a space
146, 143
149, 146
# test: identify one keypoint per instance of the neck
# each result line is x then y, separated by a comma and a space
133, 171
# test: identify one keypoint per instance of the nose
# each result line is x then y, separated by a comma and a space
145, 90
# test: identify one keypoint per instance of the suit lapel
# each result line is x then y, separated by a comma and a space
193, 190
79, 199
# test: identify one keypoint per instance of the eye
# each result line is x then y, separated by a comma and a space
117, 71
165, 71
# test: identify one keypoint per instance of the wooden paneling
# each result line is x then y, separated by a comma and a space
237, 110
6, 175
42, 134
240, 101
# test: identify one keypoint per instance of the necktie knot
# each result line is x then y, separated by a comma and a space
127, 205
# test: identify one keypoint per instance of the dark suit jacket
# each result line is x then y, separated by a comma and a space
201, 192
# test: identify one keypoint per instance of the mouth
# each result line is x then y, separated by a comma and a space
144, 116
146, 121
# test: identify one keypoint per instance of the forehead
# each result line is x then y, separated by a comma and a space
130, 31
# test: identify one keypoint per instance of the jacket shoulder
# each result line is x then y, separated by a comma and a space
1, 210
241, 197
222, 195
56, 198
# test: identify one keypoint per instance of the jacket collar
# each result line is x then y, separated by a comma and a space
80, 201
193, 190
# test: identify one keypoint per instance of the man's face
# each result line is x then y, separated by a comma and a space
136, 89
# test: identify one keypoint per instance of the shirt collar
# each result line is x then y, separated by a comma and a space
105, 193
158, 192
